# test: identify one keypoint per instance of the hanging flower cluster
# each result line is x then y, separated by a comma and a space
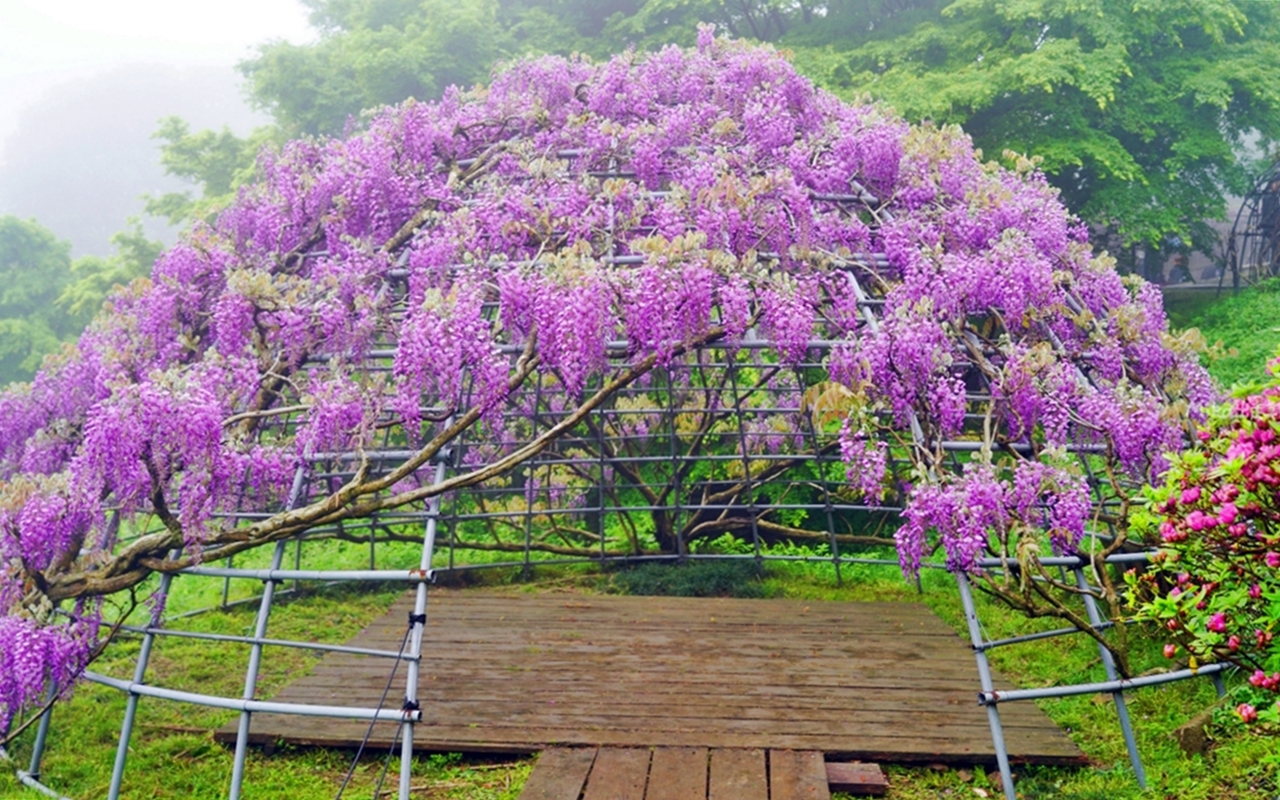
581, 225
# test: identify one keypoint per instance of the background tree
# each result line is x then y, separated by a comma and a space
94, 277
373, 53
35, 267
216, 161
1144, 114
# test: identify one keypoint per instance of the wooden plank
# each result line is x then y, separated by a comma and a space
738, 775
524, 734
797, 775
522, 673
559, 774
618, 774
678, 773
856, 778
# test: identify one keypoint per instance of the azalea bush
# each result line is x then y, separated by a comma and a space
1215, 587
497, 267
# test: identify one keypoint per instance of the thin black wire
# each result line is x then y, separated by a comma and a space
386, 762
369, 732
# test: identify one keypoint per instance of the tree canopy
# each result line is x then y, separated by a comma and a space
1146, 116
35, 268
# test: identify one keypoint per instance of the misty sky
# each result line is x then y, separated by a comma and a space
47, 42
83, 84
42, 36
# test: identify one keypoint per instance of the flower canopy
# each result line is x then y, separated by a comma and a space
585, 227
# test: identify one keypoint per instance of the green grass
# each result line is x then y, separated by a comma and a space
692, 579
1246, 323
173, 754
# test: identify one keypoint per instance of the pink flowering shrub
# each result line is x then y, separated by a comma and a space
580, 227
1215, 588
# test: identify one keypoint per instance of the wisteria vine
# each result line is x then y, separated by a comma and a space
522, 231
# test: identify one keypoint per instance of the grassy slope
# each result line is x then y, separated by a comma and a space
1246, 323
173, 754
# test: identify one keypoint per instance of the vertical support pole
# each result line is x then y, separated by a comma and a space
807, 421
601, 493
226, 583
255, 650
984, 677
131, 705
673, 456
1109, 664
529, 497
251, 674
297, 561
415, 638
732, 365
42, 735
1218, 685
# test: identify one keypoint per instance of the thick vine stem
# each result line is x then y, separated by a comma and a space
145, 556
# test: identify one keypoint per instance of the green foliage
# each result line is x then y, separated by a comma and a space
93, 277
46, 298
1242, 329
699, 578
373, 53
1215, 586
217, 161
1139, 111
35, 268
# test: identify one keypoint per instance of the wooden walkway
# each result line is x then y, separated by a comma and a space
885, 682
677, 773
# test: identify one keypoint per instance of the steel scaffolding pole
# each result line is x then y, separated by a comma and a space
977, 640
417, 625
255, 650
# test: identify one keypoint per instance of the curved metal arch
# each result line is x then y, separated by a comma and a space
1253, 249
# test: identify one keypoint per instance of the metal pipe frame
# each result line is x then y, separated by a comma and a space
991, 698
225, 637
542, 405
417, 625
136, 689
42, 735
30, 780
1117, 694
255, 649
274, 576
976, 638
131, 704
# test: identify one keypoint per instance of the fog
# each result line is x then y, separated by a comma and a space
79, 155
